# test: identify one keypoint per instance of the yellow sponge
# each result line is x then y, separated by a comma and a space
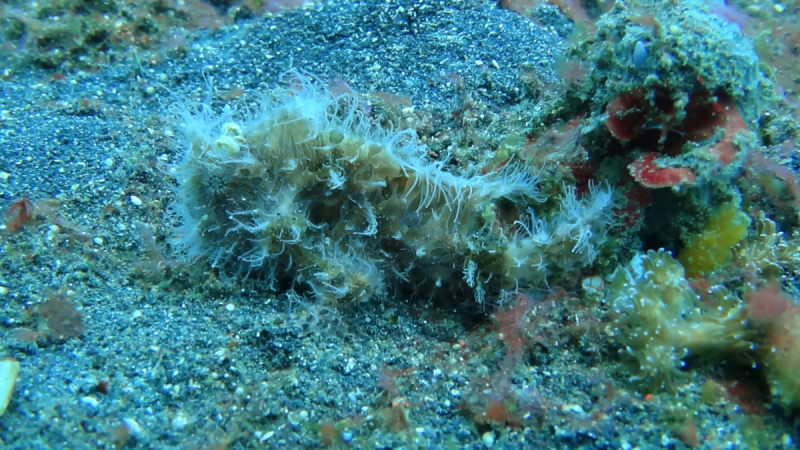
712, 246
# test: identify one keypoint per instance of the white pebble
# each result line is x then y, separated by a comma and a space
179, 421
136, 200
133, 426
91, 401
488, 439
266, 436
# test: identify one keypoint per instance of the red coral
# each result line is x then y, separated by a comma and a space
705, 114
648, 173
627, 114
630, 113
632, 212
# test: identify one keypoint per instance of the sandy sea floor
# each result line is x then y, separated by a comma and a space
119, 351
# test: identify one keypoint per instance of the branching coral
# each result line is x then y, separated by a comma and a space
768, 254
661, 320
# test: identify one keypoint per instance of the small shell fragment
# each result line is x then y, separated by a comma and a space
9, 369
